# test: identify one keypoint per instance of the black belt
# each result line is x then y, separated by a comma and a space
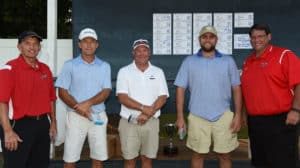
39, 117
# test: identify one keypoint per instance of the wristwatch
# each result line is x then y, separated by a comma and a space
295, 109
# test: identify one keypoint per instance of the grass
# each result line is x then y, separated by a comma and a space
171, 118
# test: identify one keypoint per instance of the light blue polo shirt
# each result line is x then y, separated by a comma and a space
84, 80
209, 81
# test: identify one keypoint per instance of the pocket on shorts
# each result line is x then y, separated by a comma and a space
104, 117
72, 119
227, 118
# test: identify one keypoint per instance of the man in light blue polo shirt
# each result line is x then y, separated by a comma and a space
210, 77
84, 84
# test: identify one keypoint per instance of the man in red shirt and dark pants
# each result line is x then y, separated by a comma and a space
27, 99
271, 90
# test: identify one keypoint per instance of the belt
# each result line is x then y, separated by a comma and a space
38, 117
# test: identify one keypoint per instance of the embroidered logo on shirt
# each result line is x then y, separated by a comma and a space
151, 77
44, 76
263, 64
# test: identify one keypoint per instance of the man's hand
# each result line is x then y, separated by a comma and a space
180, 123
244, 120
11, 140
292, 118
148, 111
83, 108
53, 131
142, 119
236, 123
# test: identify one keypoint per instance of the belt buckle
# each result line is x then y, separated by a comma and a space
38, 117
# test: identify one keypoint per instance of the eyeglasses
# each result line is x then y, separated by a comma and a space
258, 37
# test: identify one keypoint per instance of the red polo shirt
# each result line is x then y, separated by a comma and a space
30, 89
268, 81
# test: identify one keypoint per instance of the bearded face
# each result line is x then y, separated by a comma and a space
208, 47
208, 42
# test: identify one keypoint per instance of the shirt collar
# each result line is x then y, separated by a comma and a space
264, 55
25, 65
135, 67
217, 53
95, 61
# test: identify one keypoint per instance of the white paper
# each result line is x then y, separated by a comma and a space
199, 20
243, 20
223, 25
242, 41
162, 34
182, 33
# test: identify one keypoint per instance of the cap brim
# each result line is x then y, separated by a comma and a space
38, 37
23, 38
81, 38
208, 32
146, 45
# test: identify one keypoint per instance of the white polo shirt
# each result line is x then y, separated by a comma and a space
144, 87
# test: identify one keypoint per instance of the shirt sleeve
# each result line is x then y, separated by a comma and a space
51, 87
6, 84
234, 72
121, 84
65, 77
291, 68
107, 77
163, 85
181, 79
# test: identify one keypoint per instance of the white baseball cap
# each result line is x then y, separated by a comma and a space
140, 42
88, 32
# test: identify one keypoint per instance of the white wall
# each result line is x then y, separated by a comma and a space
9, 50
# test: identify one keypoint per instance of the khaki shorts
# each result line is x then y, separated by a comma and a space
77, 128
139, 139
202, 133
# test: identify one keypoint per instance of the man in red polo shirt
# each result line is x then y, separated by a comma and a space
27, 99
271, 90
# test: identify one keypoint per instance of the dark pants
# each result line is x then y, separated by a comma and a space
273, 143
33, 152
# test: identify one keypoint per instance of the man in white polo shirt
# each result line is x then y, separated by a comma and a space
142, 90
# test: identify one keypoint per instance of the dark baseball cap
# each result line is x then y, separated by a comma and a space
26, 34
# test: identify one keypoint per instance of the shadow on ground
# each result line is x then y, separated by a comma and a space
156, 163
